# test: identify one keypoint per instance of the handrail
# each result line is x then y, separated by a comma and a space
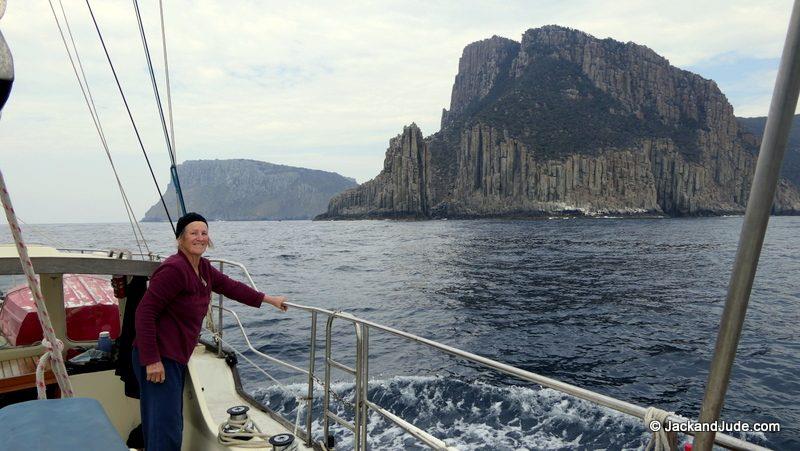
359, 428
309, 373
238, 265
587, 395
256, 351
581, 393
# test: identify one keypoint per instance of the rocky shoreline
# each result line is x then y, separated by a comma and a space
563, 124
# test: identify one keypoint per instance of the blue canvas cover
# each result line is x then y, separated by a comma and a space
68, 424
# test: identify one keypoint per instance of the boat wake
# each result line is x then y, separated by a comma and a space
469, 415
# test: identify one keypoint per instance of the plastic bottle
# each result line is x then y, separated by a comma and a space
104, 342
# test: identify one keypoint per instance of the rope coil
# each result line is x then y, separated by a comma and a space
241, 433
661, 439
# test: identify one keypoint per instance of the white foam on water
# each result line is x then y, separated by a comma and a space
471, 415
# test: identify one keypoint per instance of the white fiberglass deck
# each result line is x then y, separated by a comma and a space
210, 392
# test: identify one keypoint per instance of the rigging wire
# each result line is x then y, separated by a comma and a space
98, 125
173, 169
47, 237
130, 115
169, 90
166, 75
89, 99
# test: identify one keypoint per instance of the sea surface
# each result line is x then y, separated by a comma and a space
625, 307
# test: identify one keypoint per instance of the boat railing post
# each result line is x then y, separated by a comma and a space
311, 358
359, 401
326, 400
754, 226
617, 405
220, 352
359, 439
364, 406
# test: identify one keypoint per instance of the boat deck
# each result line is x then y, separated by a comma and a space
20, 373
211, 391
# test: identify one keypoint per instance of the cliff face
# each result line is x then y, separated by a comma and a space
564, 123
480, 67
400, 190
247, 190
790, 169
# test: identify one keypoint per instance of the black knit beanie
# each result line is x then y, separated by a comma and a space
187, 219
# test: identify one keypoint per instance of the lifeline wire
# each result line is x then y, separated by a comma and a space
297, 398
44, 235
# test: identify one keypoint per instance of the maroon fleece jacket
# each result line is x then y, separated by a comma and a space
170, 315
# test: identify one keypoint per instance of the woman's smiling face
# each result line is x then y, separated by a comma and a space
194, 238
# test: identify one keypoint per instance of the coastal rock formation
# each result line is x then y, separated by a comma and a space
499, 175
401, 189
564, 123
248, 190
790, 169
479, 68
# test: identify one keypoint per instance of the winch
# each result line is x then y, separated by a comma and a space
283, 442
240, 430
238, 426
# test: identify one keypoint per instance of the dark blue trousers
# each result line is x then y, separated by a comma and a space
161, 405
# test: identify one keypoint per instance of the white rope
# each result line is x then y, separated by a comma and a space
89, 99
210, 323
661, 440
242, 434
297, 417
53, 354
41, 366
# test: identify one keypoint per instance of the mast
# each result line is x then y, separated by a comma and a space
759, 206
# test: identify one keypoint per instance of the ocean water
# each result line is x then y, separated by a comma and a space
625, 307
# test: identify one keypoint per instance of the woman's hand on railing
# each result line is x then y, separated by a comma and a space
278, 302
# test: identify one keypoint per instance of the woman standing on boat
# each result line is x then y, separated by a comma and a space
168, 323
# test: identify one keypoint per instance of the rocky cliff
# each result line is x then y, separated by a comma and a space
246, 190
400, 190
564, 123
790, 169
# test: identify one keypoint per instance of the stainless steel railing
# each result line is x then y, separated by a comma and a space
361, 373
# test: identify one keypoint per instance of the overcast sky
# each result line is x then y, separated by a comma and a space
322, 85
